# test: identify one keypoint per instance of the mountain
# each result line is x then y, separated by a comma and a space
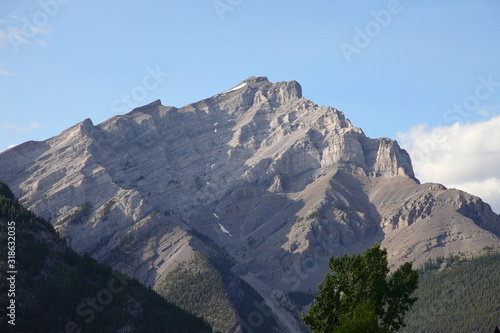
257, 183
47, 287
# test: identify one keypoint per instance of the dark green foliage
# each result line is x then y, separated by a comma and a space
315, 215
79, 215
453, 260
53, 282
432, 265
219, 256
398, 299
348, 209
207, 287
6, 192
361, 319
358, 285
464, 297
201, 286
107, 208
198, 287
249, 303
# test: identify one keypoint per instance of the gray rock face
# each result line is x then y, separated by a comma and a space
277, 181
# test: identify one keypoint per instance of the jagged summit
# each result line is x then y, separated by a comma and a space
148, 106
256, 90
258, 170
253, 79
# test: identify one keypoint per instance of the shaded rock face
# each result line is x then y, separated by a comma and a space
277, 181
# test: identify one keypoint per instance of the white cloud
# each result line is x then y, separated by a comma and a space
464, 156
18, 129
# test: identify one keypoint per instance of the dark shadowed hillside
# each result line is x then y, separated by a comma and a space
57, 290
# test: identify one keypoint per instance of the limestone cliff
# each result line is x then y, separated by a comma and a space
276, 181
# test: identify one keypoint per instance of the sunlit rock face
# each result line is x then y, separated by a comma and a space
275, 180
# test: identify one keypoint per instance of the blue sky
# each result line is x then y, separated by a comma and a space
391, 66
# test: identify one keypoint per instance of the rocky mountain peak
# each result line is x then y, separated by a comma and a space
285, 90
256, 91
258, 170
256, 79
151, 105
86, 126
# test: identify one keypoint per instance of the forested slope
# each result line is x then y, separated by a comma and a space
56, 290
463, 297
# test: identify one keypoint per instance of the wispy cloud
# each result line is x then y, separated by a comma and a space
12, 36
488, 110
19, 129
15, 16
3, 71
18, 37
41, 43
464, 156
3, 39
19, 30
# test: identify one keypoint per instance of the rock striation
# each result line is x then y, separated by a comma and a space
276, 181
